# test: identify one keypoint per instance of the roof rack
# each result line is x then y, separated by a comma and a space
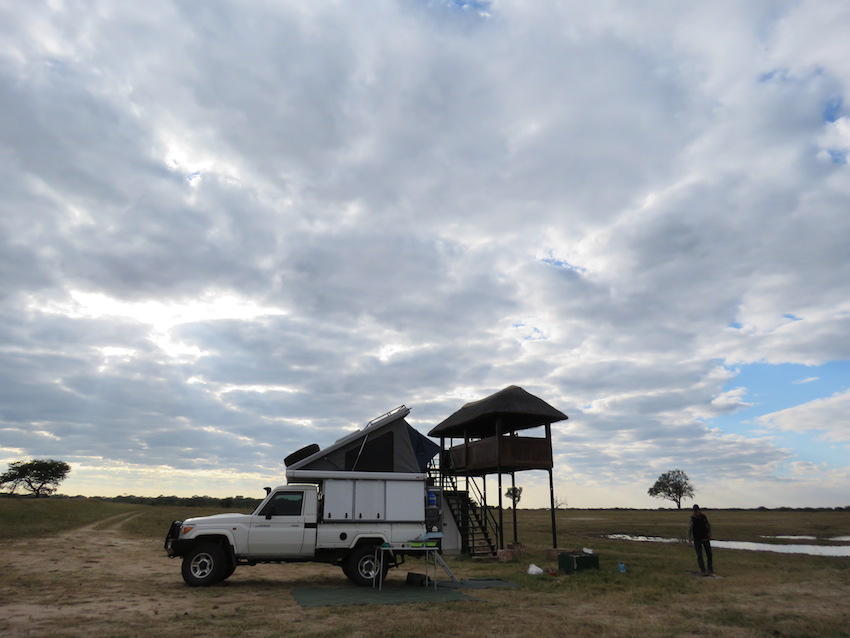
392, 415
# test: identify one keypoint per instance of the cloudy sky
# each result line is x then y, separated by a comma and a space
230, 230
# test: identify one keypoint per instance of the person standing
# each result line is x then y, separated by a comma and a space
699, 532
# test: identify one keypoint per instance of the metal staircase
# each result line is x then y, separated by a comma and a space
478, 527
472, 521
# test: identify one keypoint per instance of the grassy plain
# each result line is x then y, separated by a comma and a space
31, 517
85, 571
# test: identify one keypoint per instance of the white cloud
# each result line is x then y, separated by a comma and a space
806, 380
226, 233
828, 417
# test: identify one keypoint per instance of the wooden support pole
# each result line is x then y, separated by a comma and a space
499, 471
513, 485
551, 487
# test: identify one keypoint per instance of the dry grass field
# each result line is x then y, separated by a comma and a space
84, 568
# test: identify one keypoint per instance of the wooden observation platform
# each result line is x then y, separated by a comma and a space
490, 444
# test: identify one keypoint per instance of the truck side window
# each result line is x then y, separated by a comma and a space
284, 504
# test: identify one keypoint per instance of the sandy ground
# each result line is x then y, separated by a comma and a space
66, 582
94, 581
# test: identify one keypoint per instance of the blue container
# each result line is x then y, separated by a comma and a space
432, 498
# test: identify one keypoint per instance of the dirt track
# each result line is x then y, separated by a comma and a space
69, 582
95, 581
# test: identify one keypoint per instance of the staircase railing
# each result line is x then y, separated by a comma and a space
490, 520
473, 516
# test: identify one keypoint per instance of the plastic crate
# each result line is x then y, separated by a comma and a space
572, 563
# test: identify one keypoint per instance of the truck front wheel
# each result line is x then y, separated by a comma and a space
204, 565
363, 566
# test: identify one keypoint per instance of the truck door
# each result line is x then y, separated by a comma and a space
278, 529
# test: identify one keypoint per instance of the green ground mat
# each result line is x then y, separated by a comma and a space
478, 583
389, 595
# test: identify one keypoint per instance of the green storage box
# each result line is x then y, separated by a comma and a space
572, 563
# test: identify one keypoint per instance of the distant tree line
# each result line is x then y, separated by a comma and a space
228, 502
245, 503
41, 477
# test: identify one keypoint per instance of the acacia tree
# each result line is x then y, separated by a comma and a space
514, 493
673, 486
40, 476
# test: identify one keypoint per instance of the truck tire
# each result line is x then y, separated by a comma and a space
204, 565
229, 569
361, 566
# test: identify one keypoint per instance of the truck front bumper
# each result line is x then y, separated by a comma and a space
173, 545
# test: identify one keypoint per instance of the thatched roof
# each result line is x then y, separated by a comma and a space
517, 409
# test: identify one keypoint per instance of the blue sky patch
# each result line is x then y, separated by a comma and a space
563, 265
837, 156
775, 75
771, 388
807, 448
776, 387
832, 109
475, 5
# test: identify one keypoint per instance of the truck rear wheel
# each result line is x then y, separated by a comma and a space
230, 567
204, 565
362, 566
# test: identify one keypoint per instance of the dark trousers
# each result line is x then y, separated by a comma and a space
699, 545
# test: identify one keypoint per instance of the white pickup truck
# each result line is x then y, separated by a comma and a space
340, 521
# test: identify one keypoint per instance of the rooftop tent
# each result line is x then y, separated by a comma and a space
424, 449
514, 409
386, 444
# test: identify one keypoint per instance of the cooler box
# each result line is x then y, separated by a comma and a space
572, 563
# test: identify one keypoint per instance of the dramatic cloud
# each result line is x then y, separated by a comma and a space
229, 231
826, 417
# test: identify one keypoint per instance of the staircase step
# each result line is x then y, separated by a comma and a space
472, 521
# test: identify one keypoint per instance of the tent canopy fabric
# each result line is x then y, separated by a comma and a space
386, 444
516, 408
